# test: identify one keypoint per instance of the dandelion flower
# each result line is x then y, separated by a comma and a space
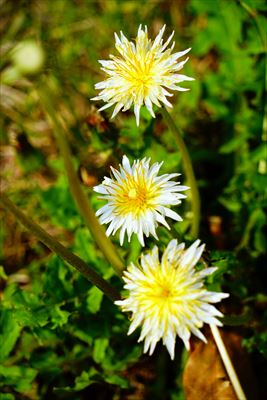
138, 199
143, 73
168, 298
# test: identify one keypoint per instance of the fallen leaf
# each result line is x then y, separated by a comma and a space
205, 376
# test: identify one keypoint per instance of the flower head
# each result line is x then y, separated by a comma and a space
138, 199
168, 298
141, 74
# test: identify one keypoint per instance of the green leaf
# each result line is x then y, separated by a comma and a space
238, 320
230, 204
83, 245
208, 6
32, 317
18, 377
134, 250
3, 275
259, 153
216, 107
7, 396
117, 360
82, 335
100, 347
26, 307
82, 381
117, 380
260, 241
258, 341
233, 144
59, 317
59, 204
94, 300
47, 360
9, 333
58, 280
85, 379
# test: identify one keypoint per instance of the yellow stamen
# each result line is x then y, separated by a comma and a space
132, 193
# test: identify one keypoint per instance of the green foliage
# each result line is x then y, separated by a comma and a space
65, 323
59, 336
18, 377
52, 201
9, 333
259, 341
94, 300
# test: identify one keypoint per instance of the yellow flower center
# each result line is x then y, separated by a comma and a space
139, 80
136, 199
159, 292
135, 195
165, 292
132, 194
137, 70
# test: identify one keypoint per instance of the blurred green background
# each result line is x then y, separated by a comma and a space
59, 338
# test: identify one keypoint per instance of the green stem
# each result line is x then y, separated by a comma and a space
189, 172
60, 250
82, 202
253, 13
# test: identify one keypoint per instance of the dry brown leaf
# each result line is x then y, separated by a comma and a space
205, 377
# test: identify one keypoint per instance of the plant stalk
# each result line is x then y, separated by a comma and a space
227, 363
82, 202
48, 240
189, 172
225, 357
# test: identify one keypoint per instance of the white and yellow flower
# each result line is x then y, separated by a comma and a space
168, 298
143, 73
138, 199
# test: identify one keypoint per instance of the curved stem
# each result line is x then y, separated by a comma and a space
60, 250
82, 202
262, 166
189, 171
227, 363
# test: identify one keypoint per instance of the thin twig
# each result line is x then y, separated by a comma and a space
60, 250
